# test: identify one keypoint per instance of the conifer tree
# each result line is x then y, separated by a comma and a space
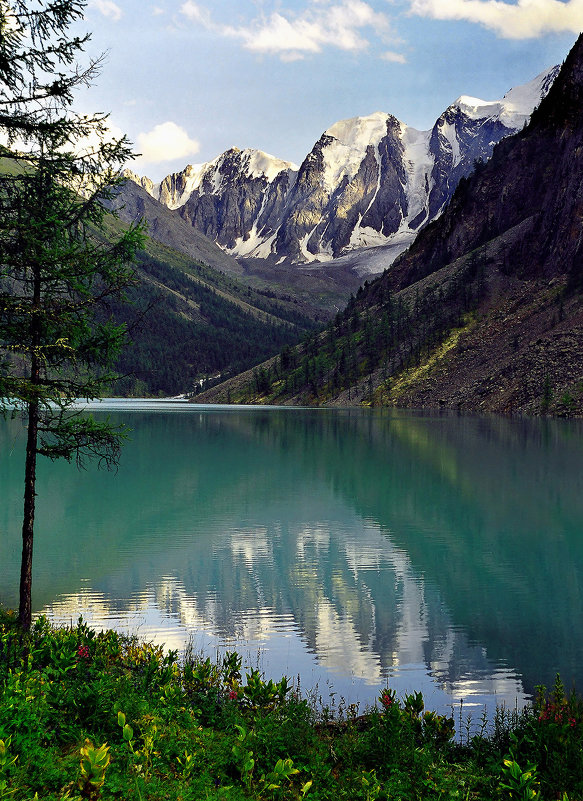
60, 258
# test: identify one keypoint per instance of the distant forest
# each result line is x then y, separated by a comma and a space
188, 326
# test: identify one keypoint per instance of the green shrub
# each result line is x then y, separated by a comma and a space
196, 729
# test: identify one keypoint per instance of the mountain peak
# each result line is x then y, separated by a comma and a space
360, 131
259, 164
368, 181
515, 107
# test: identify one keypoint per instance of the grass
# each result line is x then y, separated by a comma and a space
411, 376
86, 715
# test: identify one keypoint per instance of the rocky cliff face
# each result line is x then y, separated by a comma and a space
367, 181
484, 312
132, 203
515, 229
528, 198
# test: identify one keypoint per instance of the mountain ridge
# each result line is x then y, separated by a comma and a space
367, 181
484, 312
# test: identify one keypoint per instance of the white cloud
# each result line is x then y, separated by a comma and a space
196, 13
521, 20
395, 58
165, 142
108, 8
91, 144
342, 25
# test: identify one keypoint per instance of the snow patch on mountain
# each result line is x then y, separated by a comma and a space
520, 102
418, 164
476, 109
352, 137
515, 107
367, 237
449, 133
372, 260
254, 246
369, 182
261, 165
303, 244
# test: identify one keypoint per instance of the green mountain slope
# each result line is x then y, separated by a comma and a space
188, 323
484, 312
191, 316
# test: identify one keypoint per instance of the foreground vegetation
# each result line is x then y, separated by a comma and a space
99, 715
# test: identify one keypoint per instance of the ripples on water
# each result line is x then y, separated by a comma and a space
352, 549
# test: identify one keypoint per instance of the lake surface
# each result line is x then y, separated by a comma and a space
353, 548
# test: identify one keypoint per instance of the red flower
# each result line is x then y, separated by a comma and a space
82, 652
232, 695
386, 700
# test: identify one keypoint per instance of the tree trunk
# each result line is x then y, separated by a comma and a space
25, 608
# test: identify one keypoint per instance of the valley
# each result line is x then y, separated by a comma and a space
483, 312
468, 301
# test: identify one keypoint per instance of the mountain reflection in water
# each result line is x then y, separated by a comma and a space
351, 547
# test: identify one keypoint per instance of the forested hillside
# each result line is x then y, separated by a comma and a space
484, 311
188, 323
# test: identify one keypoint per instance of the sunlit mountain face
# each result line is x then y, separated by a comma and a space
368, 181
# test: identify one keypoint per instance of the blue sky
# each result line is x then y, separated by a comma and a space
186, 79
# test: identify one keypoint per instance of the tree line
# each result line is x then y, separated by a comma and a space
377, 336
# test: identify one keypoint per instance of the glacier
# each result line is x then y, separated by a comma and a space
369, 183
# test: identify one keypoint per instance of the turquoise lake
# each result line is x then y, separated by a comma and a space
351, 548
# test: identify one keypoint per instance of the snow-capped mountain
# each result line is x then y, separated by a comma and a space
367, 181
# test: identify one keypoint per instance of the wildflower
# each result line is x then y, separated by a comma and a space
232, 695
386, 699
82, 652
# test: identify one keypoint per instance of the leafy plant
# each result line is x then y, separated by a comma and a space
371, 785
187, 764
94, 763
127, 731
283, 771
6, 762
553, 738
244, 755
264, 694
520, 785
